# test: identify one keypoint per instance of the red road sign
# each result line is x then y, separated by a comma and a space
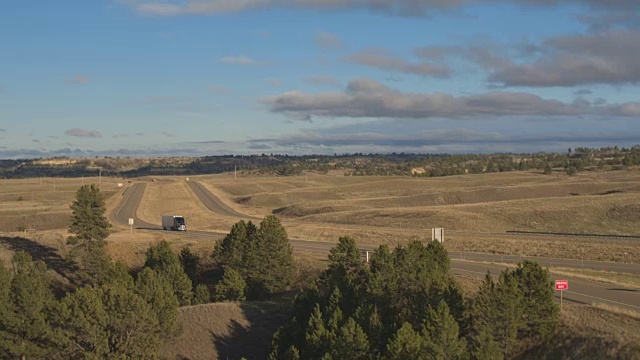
562, 284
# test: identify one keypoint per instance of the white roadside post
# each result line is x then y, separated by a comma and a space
131, 224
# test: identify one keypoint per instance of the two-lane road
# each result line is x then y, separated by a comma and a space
580, 290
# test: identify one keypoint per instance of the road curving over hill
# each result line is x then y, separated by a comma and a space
214, 204
469, 264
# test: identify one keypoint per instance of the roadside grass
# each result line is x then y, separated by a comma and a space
612, 277
589, 332
475, 210
175, 198
43, 204
584, 332
227, 330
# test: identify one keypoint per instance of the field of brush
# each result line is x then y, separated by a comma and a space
43, 204
475, 210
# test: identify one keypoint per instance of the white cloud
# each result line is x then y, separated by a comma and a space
382, 59
325, 40
367, 98
79, 80
241, 60
83, 133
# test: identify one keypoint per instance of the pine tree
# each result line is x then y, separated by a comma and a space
441, 335
182, 286
350, 342
201, 295
271, 259
158, 293
191, 264
508, 309
26, 329
167, 264
232, 250
347, 272
133, 328
232, 286
406, 344
88, 222
292, 353
317, 337
540, 310
118, 275
94, 263
90, 228
84, 319
485, 348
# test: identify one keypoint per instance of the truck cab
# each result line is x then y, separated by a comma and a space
174, 222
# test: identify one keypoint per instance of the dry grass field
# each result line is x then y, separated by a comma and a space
226, 330
585, 332
475, 210
43, 204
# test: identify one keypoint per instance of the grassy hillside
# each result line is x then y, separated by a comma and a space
226, 330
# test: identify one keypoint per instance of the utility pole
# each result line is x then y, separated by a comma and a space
235, 172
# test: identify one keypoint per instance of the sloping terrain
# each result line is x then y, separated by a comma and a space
226, 330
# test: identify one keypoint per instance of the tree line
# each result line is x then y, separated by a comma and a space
402, 304
356, 164
406, 305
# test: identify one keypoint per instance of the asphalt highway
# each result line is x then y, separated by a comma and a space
470, 264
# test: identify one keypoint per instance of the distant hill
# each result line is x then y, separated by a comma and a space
403, 164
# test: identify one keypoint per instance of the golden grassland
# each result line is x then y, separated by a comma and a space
475, 210
612, 277
226, 330
43, 204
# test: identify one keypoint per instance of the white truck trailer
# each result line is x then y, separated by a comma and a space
174, 222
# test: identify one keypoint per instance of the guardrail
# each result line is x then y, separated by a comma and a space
573, 234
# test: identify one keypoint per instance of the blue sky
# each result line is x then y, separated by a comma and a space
207, 77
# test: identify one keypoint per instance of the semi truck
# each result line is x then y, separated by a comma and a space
174, 222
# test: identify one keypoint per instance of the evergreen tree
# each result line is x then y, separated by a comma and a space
158, 293
191, 264
350, 342
346, 272
84, 320
232, 250
406, 344
540, 310
118, 275
167, 264
25, 329
93, 263
292, 354
441, 334
317, 338
90, 228
201, 295
485, 348
133, 328
263, 256
271, 259
508, 309
232, 286
88, 222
